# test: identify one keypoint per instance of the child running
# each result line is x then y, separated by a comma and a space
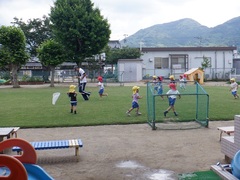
182, 82
135, 98
101, 87
172, 79
160, 86
73, 98
234, 88
172, 98
155, 83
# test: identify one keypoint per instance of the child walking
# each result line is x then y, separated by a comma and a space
73, 99
234, 88
101, 87
172, 98
135, 98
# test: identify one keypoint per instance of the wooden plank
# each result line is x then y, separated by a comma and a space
224, 174
227, 129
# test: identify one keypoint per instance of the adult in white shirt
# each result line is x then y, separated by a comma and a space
82, 80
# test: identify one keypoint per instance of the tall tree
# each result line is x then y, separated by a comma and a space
13, 50
80, 27
51, 54
36, 31
113, 55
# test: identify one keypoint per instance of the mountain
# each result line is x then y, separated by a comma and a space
186, 32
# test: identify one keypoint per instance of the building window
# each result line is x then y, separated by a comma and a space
179, 61
161, 63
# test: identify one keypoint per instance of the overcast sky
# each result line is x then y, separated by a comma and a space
126, 17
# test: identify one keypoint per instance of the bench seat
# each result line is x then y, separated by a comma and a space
56, 144
227, 129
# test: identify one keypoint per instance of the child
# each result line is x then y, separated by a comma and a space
155, 83
172, 79
135, 98
234, 88
172, 98
160, 86
182, 82
73, 98
101, 87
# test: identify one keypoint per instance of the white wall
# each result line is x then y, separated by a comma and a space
130, 70
219, 60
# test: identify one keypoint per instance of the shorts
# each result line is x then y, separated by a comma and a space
234, 93
135, 104
171, 101
73, 103
160, 91
101, 91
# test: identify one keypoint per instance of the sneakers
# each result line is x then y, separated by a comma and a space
165, 113
138, 113
128, 113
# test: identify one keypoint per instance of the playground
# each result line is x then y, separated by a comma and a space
129, 151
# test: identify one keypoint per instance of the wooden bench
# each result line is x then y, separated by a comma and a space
14, 132
227, 129
56, 144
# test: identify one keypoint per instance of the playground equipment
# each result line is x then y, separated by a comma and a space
236, 165
193, 105
21, 167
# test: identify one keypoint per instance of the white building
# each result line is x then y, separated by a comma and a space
165, 61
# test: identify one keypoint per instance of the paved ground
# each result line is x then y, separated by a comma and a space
129, 152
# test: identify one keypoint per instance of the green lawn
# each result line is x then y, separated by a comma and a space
32, 107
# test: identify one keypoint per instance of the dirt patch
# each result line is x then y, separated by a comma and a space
129, 151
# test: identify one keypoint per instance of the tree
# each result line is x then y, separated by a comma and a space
13, 50
113, 55
51, 54
80, 27
36, 31
205, 63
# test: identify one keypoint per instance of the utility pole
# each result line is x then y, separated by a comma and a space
125, 36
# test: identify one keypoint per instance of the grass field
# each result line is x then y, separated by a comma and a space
32, 107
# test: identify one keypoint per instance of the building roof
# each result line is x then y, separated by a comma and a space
130, 60
190, 71
157, 49
114, 44
33, 64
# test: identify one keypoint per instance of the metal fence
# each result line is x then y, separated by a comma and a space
216, 74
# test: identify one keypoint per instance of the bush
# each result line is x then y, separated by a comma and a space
27, 78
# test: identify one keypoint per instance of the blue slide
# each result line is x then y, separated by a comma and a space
236, 165
34, 172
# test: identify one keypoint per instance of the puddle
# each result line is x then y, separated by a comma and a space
163, 175
141, 172
129, 164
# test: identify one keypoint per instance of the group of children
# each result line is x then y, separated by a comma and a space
157, 86
73, 95
157, 83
